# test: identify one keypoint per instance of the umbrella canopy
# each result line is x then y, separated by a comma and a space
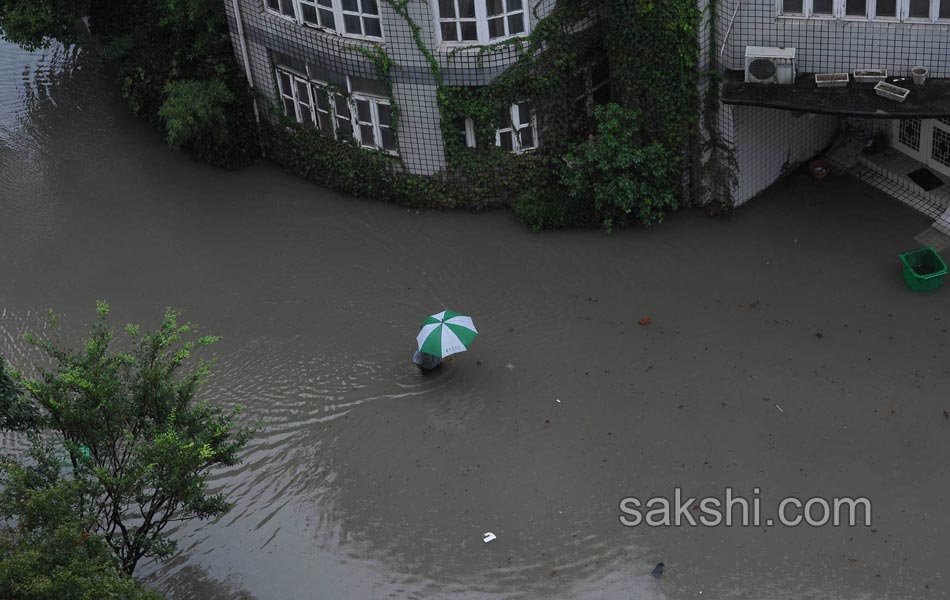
446, 333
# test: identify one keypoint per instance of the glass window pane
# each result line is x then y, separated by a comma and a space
385, 114
309, 14
363, 112
446, 9
303, 91
920, 9
494, 7
470, 31
322, 102
792, 7
371, 27
822, 7
369, 7
287, 7
284, 80
496, 27
600, 73
366, 136
306, 117
273, 4
342, 106
526, 138
886, 8
325, 3
352, 23
467, 9
389, 141
505, 141
350, 5
289, 109
524, 113
856, 7
944, 12
514, 5
516, 23
327, 20
449, 32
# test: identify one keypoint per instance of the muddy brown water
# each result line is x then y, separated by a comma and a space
370, 481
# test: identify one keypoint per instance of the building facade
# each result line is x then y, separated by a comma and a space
315, 60
773, 129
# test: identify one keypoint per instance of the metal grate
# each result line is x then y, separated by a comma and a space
909, 133
940, 151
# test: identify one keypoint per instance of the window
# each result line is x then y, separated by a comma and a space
282, 7
521, 133
480, 21
361, 18
296, 97
355, 18
457, 21
465, 127
374, 123
594, 81
364, 118
929, 11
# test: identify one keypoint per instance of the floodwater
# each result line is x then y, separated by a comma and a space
783, 353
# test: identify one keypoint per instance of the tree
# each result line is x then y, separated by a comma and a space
627, 181
46, 550
17, 413
140, 446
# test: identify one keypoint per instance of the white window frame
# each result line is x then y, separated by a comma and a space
481, 23
374, 103
470, 133
339, 24
318, 87
516, 126
840, 6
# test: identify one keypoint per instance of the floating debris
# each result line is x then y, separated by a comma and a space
488, 536
645, 320
657, 570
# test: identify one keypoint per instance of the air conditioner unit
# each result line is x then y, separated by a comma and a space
769, 65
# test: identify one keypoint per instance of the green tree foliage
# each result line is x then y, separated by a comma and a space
37, 23
17, 413
153, 44
46, 549
140, 446
195, 117
627, 181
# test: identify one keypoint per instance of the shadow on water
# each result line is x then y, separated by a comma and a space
368, 480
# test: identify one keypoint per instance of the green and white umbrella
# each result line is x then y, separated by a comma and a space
446, 333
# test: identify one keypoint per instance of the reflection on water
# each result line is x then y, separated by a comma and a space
368, 480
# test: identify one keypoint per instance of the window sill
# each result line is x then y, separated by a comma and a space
875, 21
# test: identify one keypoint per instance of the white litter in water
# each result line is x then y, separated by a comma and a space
780, 409
558, 399
489, 536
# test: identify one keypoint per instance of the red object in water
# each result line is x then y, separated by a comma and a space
819, 168
645, 321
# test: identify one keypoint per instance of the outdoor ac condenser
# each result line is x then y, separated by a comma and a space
769, 65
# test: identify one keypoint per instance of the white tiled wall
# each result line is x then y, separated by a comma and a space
838, 45
768, 142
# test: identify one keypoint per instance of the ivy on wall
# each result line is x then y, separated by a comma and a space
652, 50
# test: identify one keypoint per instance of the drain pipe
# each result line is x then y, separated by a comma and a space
247, 63
725, 39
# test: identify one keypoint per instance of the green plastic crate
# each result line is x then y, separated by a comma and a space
923, 269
